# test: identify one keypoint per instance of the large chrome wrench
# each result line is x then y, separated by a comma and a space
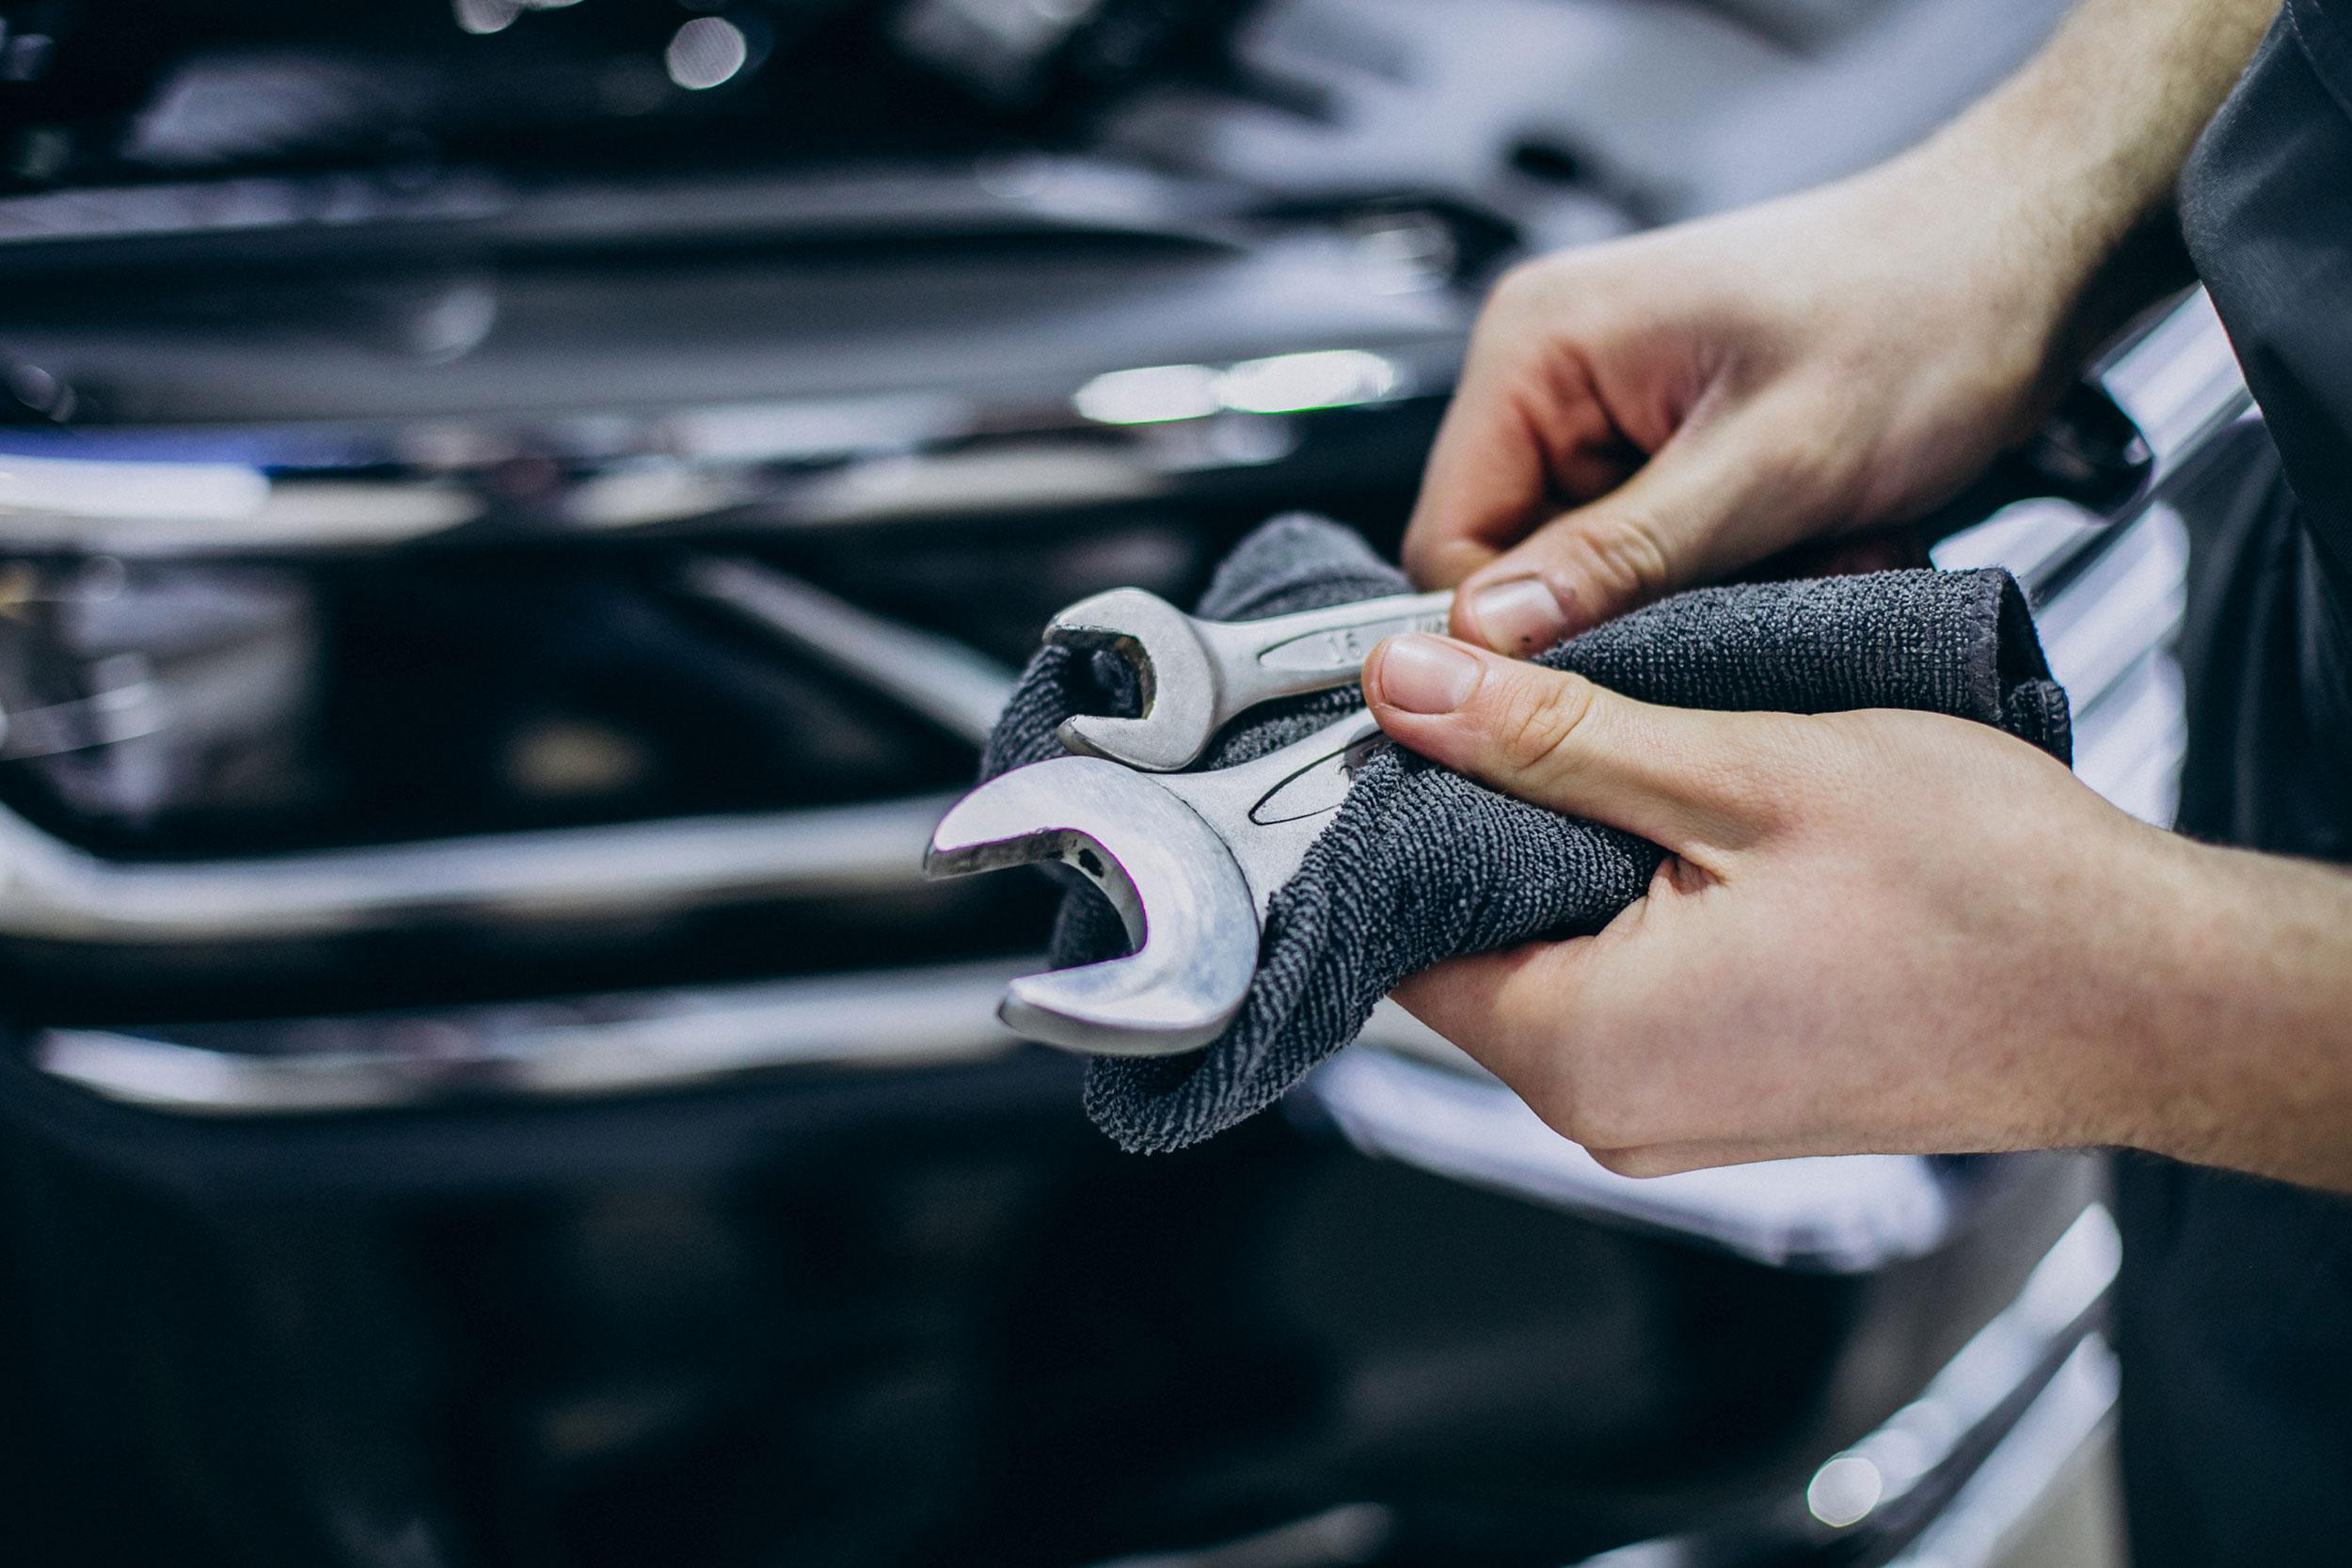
1198, 675
1189, 861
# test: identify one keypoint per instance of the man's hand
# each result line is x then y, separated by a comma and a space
1880, 931
1640, 416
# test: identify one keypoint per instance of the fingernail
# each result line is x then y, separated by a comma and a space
1520, 616
1423, 675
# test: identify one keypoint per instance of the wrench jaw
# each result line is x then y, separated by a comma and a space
1175, 671
1105, 1010
1187, 908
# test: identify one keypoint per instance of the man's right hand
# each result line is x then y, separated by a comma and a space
1651, 413
1880, 932
1658, 411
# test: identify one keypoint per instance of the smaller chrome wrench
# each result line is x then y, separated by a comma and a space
1189, 861
1198, 675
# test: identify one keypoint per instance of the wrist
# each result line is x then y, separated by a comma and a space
2154, 931
2230, 1039
2063, 165
2000, 231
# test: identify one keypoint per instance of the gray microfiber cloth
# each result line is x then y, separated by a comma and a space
1421, 864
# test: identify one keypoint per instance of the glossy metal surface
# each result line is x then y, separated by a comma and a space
961, 690
1404, 1094
1947, 1479
861, 1288
1190, 863
1195, 676
740, 398
553, 1049
56, 892
1172, 879
2178, 383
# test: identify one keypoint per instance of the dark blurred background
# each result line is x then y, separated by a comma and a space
514, 514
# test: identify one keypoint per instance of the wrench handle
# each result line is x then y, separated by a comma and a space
1268, 810
1314, 650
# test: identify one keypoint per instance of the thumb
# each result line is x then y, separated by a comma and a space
1688, 780
1669, 525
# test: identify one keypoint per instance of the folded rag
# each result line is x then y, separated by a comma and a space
1421, 864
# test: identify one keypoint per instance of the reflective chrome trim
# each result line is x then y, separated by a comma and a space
1946, 1479
54, 891
1030, 193
185, 493
2179, 380
623, 1043
1419, 1100
912, 459
945, 681
2044, 1454
2109, 636
942, 425
2051, 1313
2111, 598
2126, 601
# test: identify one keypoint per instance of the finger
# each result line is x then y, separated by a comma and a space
1634, 544
1527, 430
1696, 782
1506, 1009
1498, 470
1676, 522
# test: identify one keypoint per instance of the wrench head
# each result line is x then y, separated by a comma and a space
1187, 908
1173, 667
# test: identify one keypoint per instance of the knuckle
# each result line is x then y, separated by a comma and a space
1624, 553
1540, 717
1438, 552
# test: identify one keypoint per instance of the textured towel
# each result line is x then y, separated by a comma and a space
1421, 864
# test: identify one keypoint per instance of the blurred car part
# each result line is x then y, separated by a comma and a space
523, 1111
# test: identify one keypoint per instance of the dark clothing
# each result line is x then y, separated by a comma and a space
2235, 1308
2268, 207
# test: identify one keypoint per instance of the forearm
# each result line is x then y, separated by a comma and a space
2244, 1054
2075, 156
2227, 1037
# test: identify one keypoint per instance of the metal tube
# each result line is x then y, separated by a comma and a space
556, 1049
53, 891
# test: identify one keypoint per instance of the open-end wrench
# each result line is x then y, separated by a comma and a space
1189, 861
1196, 675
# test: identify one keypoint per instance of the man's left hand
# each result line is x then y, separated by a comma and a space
1876, 931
